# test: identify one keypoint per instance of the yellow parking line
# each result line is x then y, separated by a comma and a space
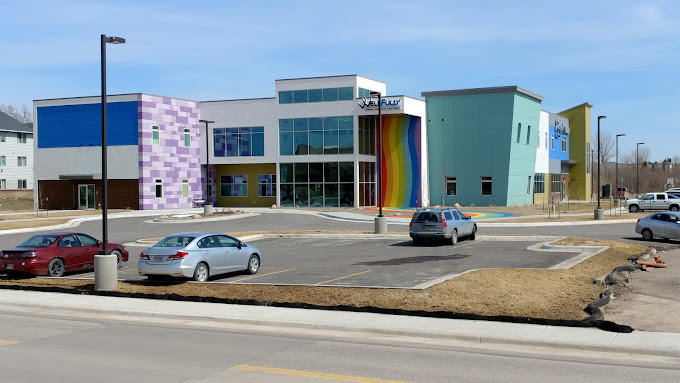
347, 242
311, 374
347, 276
467, 244
261, 275
4, 342
131, 269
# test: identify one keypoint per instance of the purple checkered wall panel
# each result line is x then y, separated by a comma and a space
169, 160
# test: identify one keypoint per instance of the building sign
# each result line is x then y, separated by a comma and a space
561, 128
387, 103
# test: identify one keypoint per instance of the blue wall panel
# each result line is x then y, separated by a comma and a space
81, 125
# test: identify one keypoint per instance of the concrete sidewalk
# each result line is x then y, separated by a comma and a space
350, 323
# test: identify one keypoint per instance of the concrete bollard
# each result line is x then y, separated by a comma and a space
380, 225
599, 214
105, 272
208, 209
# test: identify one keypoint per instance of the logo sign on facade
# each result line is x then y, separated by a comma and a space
561, 128
387, 103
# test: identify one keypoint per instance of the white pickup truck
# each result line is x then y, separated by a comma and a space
654, 201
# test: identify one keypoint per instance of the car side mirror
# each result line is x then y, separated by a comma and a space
239, 244
99, 242
468, 217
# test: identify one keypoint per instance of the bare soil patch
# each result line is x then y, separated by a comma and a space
549, 294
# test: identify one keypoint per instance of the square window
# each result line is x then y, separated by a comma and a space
187, 138
185, 188
159, 188
487, 186
451, 186
156, 135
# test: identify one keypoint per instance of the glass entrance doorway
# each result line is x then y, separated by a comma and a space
85, 197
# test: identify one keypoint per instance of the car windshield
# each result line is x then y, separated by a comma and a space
174, 241
42, 240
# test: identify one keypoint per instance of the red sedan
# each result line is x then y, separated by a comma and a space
54, 254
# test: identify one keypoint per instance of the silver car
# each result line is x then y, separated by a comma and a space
438, 224
198, 255
660, 225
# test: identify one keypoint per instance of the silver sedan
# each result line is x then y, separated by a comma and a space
198, 255
659, 225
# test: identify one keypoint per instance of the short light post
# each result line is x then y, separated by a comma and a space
616, 181
637, 170
380, 221
105, 264
207, 205
599, 213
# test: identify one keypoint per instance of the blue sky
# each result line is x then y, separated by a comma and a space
621, 56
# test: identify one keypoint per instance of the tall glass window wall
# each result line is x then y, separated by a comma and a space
367, 130
367, 184
238, 142
364, 93
317, 184
321, 135
316, 95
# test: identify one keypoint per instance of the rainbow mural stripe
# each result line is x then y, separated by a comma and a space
401, 159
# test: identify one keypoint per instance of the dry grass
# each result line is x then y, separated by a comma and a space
552, 294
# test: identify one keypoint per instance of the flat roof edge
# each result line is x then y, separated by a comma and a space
113, 95
497, 89
322, 77
578, 106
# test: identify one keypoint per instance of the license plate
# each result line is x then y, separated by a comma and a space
9, 266
158, 259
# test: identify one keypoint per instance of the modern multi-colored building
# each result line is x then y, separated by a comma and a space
315, 143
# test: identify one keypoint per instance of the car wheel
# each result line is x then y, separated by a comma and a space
253, 264
201, 272
474, 233
119, 258
633, 208
56, 268
647, 235
454, 237
674, 208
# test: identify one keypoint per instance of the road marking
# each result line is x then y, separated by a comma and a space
347, 242
261, 275
467, 244
311, 374
131, 269
347, 276
4, 342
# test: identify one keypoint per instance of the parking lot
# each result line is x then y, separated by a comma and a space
366, 262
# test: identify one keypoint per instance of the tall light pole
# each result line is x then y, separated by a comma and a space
106, 272
637, 170
616, 181
207, 160
599, 214
380, 222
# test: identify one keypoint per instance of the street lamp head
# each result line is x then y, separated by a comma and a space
620, 135
601, 117
375, 94
115, 40
640, 143
206, 121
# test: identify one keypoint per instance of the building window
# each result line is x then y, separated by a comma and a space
451, 186
21, 161
588, 157
552, 141
21, 184
528, 134
185, 188
367, 131
365, 93
266, 185
3, 137
3, 184
234, 185
316, 95
328, 135
539, 183
156, 135
367, 188
546, 140
3, 160
564, 143
21, 138
238, 142
159, 188
286, 97
519, 132
210, 188
529, 185
323, 183
555, 183
187, 137
487, 184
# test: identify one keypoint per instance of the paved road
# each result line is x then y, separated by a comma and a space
80, 347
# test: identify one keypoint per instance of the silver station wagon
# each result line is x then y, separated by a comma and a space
198, 255
441, 224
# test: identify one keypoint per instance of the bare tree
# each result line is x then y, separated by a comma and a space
642, 156
607, 150
22, 114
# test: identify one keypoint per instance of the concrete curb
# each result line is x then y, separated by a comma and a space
278, 318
